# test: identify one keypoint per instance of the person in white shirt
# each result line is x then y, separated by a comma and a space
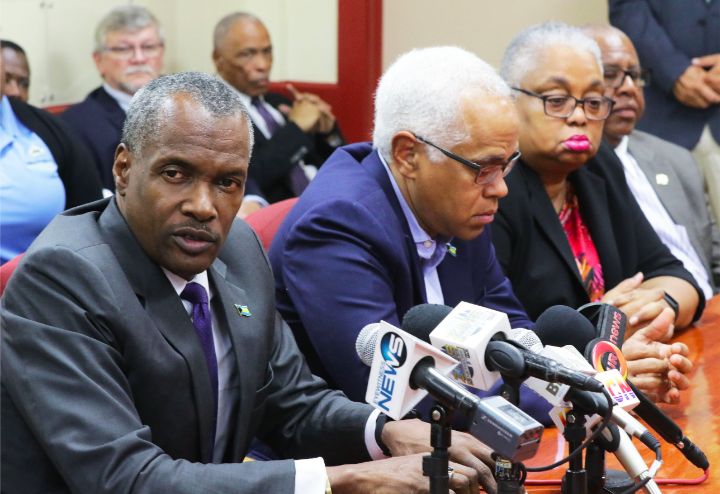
663, 177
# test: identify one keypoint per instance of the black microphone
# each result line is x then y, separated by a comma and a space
505, 356
560, 325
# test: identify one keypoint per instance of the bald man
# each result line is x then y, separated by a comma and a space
664, 177
289, 135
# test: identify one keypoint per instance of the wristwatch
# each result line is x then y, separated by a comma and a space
672, 303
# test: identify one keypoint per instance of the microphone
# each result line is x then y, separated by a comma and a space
478, 338
560, 325
400, 361
402, 368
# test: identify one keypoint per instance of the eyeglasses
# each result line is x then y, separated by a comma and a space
615, 76
562, 106
486, 172
126, 52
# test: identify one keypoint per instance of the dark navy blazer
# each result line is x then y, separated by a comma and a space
344, 258
98, 120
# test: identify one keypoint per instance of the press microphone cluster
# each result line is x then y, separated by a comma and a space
560, 325
481, 340
404, 370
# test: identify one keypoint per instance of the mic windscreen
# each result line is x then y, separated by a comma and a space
528, 339
365, 343
560, 325
420, 320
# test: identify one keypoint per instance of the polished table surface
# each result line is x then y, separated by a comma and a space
698, 414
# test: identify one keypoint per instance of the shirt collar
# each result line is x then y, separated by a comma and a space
622, 147
8, 119
123, 99
426, 246
179, 283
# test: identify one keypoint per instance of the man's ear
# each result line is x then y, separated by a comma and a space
121, 168
404, 153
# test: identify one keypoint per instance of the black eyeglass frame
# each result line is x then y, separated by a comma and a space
580, 102
504, 168
642, 79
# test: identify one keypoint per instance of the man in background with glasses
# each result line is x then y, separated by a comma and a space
402, 221
129, 49
663, 177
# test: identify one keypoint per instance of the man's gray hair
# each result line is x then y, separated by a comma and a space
145, 120
525, 48
224, 25
131, 18
421, 93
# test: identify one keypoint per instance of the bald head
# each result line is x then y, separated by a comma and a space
620, 60
243, 53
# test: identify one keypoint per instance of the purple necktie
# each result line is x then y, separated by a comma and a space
298, 179
270, 122
202, 320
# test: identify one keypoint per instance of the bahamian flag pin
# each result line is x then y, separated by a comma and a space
243, 310
452, 250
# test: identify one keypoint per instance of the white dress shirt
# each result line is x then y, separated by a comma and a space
674, 236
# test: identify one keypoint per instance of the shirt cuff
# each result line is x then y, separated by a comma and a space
256, 198
370, 443
310, 476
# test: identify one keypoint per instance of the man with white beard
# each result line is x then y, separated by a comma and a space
128, 53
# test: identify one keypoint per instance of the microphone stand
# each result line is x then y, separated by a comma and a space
507, 472
436, 464
575, 480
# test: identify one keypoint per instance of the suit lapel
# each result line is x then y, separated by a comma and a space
245, 333
547, 221
653, 165
594, 208
373, 164
167, 313
114, 113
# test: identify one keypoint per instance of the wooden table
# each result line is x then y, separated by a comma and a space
698, 414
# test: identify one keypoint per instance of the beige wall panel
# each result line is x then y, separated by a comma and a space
58, 36
298, 55
484, 27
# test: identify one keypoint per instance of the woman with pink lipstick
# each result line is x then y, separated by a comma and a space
570, 232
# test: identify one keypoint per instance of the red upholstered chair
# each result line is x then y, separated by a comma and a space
266, 221
6, 270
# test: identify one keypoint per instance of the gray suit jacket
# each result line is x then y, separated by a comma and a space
683, 196
104, 384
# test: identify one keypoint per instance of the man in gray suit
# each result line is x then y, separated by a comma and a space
664, 177
141, 348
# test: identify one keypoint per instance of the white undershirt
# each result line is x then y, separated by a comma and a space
674, 236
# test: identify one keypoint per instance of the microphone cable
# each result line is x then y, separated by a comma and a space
578, 450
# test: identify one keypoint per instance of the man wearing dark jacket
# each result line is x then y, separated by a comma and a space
289, 135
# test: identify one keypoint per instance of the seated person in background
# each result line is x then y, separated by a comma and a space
663, 177
129, 363
289, 135
45, 169
388, 226
17, 70
129, 49
569, 231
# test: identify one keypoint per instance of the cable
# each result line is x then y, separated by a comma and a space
578, 450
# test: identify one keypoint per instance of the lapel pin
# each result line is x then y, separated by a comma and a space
662, 179
452, 250
243, 310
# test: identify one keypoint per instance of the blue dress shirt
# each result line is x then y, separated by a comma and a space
31, 192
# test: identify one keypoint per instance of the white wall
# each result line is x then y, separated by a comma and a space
58, 37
